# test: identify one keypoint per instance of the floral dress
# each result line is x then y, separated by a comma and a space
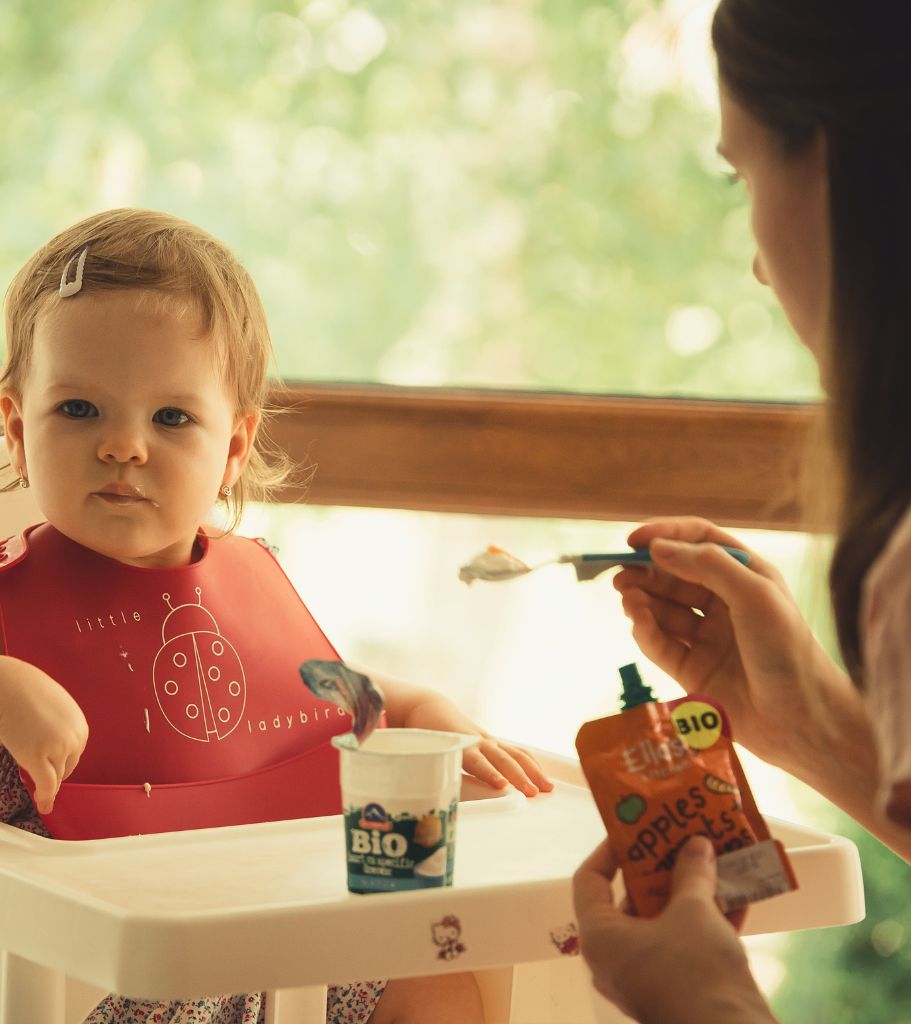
347, 1004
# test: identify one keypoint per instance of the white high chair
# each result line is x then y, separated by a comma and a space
189, 914
255, 907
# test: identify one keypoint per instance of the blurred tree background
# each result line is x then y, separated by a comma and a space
500, 193
860, 974
493, 192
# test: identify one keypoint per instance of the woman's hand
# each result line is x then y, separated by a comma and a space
41, 726
498, 764
730, 631
685, 966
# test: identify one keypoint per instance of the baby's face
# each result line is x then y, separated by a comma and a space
124, 427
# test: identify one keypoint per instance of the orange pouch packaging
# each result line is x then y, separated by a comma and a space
661, 773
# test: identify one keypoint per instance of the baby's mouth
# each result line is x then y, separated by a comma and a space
122, 495
118, 499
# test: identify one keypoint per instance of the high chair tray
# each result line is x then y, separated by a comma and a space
265, 906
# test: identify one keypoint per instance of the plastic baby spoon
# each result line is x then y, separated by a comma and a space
495, 564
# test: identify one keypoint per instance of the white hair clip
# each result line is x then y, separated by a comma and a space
74, 286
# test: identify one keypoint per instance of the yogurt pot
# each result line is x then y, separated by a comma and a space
400, 799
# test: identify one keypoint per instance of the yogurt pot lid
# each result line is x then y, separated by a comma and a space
407, 742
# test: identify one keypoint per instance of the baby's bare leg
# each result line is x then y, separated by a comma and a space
440, 999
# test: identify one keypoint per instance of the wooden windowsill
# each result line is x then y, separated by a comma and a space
545, 454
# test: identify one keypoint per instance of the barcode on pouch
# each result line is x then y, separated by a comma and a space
749, 875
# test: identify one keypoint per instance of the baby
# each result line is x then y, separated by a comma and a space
142, 648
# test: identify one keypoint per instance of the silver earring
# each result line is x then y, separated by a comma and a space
226, 490
23, 482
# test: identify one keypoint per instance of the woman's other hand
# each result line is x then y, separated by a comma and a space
41, 726
685, 966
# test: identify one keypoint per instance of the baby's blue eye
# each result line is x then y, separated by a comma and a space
78, 409
171, 417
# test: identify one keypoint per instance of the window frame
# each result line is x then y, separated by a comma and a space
545, 454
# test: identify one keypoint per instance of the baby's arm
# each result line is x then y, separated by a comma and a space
41, 726
493, 762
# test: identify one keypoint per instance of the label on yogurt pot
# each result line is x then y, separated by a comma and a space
392, 847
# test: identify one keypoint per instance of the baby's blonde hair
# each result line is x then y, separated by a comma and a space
170, 257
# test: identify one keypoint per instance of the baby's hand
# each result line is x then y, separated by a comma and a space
41, 726
498, 764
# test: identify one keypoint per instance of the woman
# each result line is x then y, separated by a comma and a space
814, 120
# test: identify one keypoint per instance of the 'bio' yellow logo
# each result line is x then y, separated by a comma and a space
698, 723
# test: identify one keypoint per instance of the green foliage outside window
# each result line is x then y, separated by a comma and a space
860, 974
487, 193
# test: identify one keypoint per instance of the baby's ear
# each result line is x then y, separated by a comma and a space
240, 446
13, 429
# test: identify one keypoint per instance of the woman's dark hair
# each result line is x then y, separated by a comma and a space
801, 66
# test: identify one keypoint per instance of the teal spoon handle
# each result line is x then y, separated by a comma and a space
589, 566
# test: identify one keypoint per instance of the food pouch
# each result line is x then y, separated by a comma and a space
661, 773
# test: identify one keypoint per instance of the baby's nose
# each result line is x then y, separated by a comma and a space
124, 446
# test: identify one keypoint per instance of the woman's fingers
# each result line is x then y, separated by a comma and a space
708, 622
662, 585
662, 649
593, 878
693, 530
678, 622
687, 528
745, 593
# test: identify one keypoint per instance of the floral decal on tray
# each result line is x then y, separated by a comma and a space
566, 939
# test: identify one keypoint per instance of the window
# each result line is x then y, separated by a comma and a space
476, 194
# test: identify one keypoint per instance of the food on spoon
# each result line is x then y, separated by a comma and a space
493, 564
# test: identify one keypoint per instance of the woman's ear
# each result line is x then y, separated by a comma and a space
240, 447
14, 431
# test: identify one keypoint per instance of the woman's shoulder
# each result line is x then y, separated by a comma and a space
886, 639
885, 619
892, 567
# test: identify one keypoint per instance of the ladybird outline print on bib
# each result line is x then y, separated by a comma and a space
198, 676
